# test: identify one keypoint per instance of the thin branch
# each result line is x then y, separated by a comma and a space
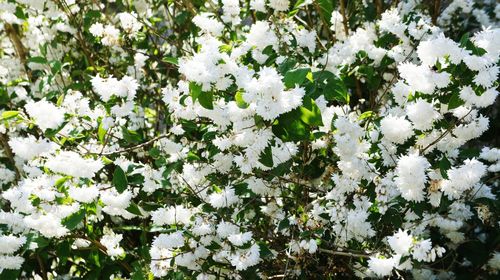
342, 253
422, 151
4, 141
18, 46
133, 147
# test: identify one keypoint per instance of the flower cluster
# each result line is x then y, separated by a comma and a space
255, 139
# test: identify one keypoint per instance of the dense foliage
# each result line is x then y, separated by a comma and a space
248, 139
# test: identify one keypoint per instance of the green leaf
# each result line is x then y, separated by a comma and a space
194, 90
265, 253
9, 115
295, 77
63, 249
296, 7
284, 224
72, 221
55, 66
455, 101
119, 179
38, 59
171, 60
444, 166
325, 9
464, 39
131, 136
10, 274
365, 115
336, 90
101, 132
310, 113
134, 209
290, 127
266, 157
238, 97
206, 100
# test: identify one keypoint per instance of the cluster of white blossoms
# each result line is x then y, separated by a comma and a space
256, 139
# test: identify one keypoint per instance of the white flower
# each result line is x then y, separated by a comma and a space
45, 114
487, 76
83, 194
484, 100
240, 239
29, 147
258, 5
225, 198
422, 114
169, 241
421, 78
71, 163
279, 5
463, 178
10, 262
129, 22
48, 225
173, 215
421, 249
225, 229
400, 242
10, 243
381, 267
493, 263
243, 259
411, 176
310, 245
490, 154
437, 49
111, 241
396, 129
208, 24
261, 36
97, 29
108, 87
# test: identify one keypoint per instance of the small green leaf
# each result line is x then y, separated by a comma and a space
55, 66
266, 157
101, 132
295, 77
171, 60
119, 179
265, 253
284, 224
74, 219
206, 100
325, 9
310, 113
38, 59
134, 209
238, 97
290, 127
365, 115
194, 90
9, 115
444, 166
455, 101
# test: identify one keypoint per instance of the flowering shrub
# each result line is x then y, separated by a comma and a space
260, 139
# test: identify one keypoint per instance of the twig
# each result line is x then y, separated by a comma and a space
42, 267
133, 147
4, 141
344, 17
346, 254
422, 151
18, 46
437, 8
